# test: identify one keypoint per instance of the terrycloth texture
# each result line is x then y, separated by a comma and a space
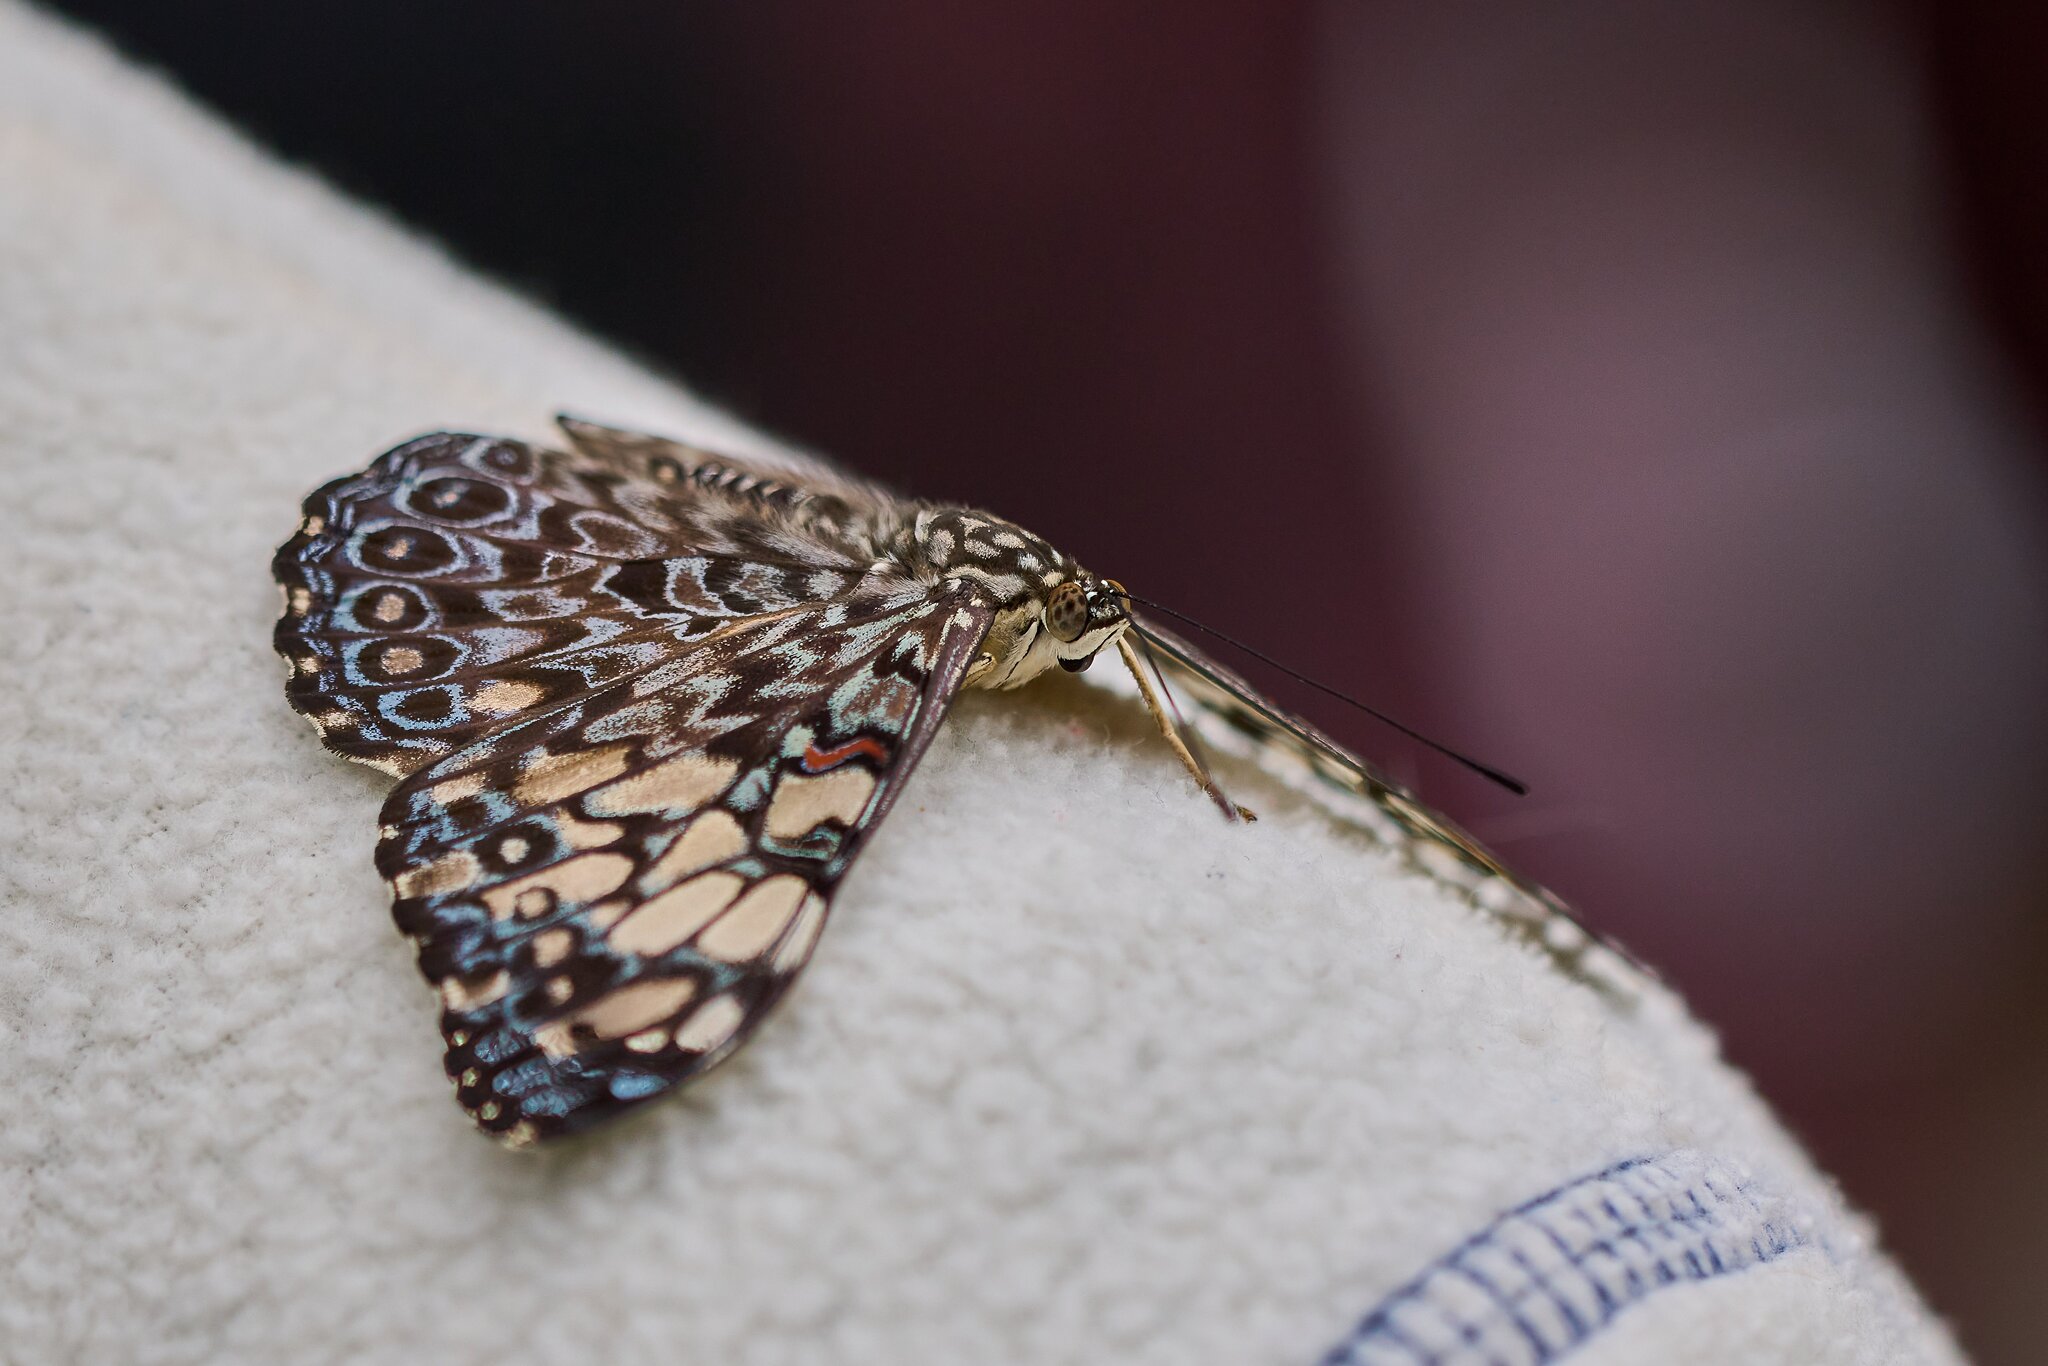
1078, 1074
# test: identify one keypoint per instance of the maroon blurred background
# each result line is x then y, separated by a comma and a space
1646, 397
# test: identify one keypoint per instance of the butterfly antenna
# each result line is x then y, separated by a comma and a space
1487, 771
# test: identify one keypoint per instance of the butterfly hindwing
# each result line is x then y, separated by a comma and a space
610, 899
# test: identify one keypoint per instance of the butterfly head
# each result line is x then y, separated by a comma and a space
1066, 624
1049, 610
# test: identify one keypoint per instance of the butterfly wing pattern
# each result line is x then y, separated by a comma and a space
645, 706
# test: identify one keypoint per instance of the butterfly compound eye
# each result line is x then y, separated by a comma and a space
1066, 611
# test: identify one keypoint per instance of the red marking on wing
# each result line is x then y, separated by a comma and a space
825, 760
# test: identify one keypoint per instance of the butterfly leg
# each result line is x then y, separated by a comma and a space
1171, 732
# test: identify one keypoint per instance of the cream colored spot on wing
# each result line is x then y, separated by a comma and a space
551, 947
712, 838
711, 1025
648, 1041
552, 777
448, 873
313, 525
308, 664
388, 607
299, 600
513, 848
626, 1011
802, 935
452, 790
458, 994
801, 804
505, 697
559, 989
683, 783
756, 919
582, 879
667, 920
633, 1008
582, 834
402, 659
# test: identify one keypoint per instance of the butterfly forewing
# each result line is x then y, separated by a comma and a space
646, 714
462, 580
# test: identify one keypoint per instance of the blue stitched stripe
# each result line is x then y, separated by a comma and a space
1546, 1276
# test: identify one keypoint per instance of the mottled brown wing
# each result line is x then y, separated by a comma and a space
644, 727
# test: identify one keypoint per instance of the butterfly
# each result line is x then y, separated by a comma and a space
646, 704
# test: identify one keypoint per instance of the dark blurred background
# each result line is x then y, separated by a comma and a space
1645, 396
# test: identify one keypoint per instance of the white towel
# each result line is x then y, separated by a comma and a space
1078, 1073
